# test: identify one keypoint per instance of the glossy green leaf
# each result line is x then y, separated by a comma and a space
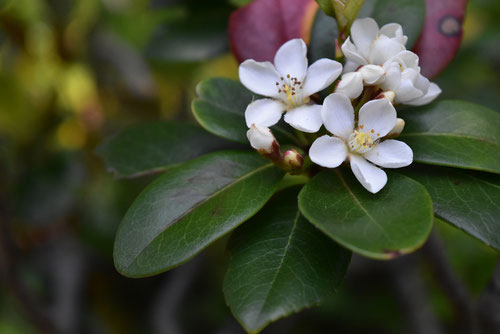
324, 32
280, 264
454, 133
220, 109
395, 221
150, 147
409, 13
469, 201
189, 207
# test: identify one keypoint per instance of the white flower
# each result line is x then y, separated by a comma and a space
288, 84
371, 45
402, 76
261, 138
362, 143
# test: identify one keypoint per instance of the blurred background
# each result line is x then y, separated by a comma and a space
74, 72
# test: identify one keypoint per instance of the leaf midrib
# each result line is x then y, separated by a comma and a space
198, 204
349, 190
273, 281
453, 135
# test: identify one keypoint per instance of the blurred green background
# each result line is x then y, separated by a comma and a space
73, 72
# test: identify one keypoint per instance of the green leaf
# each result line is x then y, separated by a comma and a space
280, 264
327, 7
189, 207
469, 201
346, 12
395, 221
220, 109
151, 147
454, 133
409, 13
324, 32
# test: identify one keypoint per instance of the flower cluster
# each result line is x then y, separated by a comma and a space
359, 115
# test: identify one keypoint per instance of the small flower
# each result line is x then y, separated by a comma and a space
361, 144
261, 138
352, 83
402, 76
371, 45
288, 84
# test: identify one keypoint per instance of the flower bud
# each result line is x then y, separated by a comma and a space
351, 85
398, 128
372, 74
261, 138
293, 159
390, 95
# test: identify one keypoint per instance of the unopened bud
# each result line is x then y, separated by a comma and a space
293, 159
372, 74
390, 95
398, 128
261, 138
351, 85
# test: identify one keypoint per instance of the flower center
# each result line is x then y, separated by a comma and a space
290, 90
361, 142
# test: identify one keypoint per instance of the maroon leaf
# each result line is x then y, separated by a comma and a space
441, 35
257, 30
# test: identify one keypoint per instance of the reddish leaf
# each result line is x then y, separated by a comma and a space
257, 30
441, 35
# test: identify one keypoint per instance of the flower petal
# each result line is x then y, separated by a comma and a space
372, 74
305, 118
291, 59
328, 151
394, 30
363, 32
383, 49
352, 54
264, 112
320, 75
377, 115
259, 77
431, 94
390, 154
338, 115
370, 176
407, 91
351, 85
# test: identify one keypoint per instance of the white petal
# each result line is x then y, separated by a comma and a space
406, 91
350, 66
363, 32
392, 76
291, 59
259, 77
265, 112
261, 138
371, 177
352, 54
328, 151
383, 49
390, 154
377, 115
372, 74
351, 85
338, 115
431, 94
394, 30
408, 59
305, 118
422, 83
320, 75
